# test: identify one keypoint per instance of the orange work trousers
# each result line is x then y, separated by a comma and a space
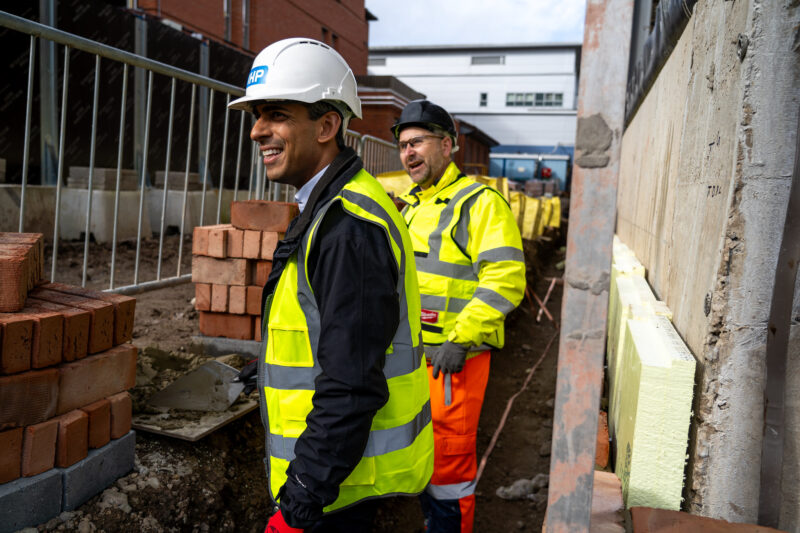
455, 463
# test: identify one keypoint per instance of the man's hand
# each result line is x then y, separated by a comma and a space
277, 524
448, 358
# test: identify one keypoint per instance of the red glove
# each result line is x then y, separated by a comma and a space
277, 524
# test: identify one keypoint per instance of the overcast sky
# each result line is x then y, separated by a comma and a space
425, 22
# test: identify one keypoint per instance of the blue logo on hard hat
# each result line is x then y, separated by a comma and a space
257, 75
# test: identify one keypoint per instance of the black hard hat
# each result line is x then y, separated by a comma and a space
423, 113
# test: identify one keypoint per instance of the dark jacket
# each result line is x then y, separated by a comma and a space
354, 278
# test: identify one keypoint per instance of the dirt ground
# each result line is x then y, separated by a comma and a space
218, 483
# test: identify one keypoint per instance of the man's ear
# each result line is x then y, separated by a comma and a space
447, 146
328, 126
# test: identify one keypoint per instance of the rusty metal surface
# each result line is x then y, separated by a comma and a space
601, 96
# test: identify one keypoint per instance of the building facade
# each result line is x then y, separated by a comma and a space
517, 94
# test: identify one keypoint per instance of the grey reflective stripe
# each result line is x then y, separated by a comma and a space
381, 441
430, 265
494, 300
433, 303
446, 217
504, 253
456, 491
291, 377
456, 305
404, 360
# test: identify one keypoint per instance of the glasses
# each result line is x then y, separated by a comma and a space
416, 142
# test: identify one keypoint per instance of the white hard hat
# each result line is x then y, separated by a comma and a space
303, 70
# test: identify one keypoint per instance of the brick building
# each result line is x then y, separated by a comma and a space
251, 25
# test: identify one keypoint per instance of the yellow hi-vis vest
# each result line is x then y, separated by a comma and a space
473, 280
398, 458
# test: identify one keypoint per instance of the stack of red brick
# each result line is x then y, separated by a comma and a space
65, 366
231, 263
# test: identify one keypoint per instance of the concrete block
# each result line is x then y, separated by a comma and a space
202, 296
220, 271
101, 322
99, 414
97, 471
28, 398
225, 325
103, 179
96, 377
76, 327
30, 501
263, 215
73, 214
121, 414
39, 447
176, 180
124, 308
172, 215
216, 346
10, 454
72, 443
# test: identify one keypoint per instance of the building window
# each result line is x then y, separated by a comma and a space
376, 62
484, 99
325, 35
534, 99
334, 40
488, 60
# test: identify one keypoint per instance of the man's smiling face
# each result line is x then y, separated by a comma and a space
424, 155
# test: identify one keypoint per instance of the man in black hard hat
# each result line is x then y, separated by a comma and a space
471, 274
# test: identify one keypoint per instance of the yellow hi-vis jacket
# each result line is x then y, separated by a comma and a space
398, 458
470, 264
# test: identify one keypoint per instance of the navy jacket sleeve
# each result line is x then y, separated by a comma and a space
354, 278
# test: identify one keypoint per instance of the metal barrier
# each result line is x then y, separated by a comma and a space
378, 155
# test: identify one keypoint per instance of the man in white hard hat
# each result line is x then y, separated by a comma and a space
342, 380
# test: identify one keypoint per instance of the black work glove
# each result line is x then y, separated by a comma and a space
249, 376
448, 358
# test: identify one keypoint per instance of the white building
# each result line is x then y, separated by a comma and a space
522, 94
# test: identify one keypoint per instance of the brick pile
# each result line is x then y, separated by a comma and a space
65, 365
231, 263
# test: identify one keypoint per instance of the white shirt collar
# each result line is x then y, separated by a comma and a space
301, 197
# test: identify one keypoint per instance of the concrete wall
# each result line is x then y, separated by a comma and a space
704, 180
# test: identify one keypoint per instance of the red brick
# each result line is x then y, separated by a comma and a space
39, 447
99, 414
121, 413
76, 327
253, 300
72, 443
235, 242
13, 281
10, 455
202, 296
124, 308
28, 398
257, 328
16, 339
237, 299
263, 215
36, 243
200, 240
225, 325
269, 241
218, 241
252, 244
220, 271
219, 298
101, 321
96, 377
601, 452
260, 272
648, 520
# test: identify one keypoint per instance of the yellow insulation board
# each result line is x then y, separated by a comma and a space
657, 383
530, 219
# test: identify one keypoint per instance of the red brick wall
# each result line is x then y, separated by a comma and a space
275, 20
